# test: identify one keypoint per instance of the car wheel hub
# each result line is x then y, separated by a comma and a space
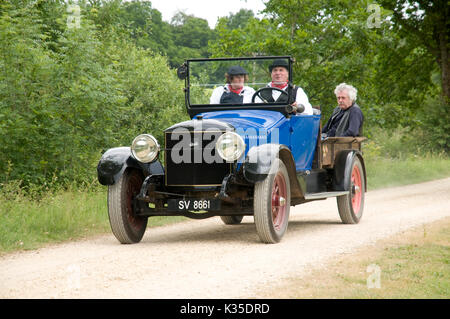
279, 194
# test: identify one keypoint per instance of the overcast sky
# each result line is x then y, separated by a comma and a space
206, 9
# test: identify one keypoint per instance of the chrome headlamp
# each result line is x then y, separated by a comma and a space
230, 146
145, 148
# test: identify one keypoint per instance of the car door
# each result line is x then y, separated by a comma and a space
303, 138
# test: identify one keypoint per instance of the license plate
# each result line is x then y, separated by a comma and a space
193, 204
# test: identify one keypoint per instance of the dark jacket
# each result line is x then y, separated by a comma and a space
347, 122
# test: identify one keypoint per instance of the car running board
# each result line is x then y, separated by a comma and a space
325, 195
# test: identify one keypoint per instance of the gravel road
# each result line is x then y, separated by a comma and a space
207, 259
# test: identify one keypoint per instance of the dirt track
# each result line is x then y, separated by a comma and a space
207, 259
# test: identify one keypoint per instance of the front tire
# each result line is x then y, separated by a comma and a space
126, 226
351, 206
232, 220
272, 198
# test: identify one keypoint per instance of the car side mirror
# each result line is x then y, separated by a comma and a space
182, 71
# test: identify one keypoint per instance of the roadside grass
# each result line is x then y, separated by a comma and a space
27, 223
410, 265
389, 172
398, 157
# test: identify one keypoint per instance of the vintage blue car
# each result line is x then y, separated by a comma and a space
248, 155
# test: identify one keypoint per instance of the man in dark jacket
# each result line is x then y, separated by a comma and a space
347, 117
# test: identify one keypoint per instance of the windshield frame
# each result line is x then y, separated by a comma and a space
194, 109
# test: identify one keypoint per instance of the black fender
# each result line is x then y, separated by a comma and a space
342, 169
259, 160
114, 162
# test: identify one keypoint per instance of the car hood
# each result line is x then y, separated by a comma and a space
245, 119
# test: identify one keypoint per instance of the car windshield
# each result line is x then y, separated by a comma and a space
232, 82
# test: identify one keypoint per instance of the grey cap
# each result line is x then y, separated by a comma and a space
236, 70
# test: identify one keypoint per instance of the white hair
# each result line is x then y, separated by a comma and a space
351, 91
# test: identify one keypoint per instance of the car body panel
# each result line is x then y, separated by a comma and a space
298, 132
304, 134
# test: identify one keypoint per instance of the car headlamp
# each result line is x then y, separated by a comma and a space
230, 146
145, 148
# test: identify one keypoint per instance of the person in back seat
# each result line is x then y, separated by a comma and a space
347, 117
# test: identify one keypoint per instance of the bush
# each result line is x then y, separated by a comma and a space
66, 94
395, 143
435, 124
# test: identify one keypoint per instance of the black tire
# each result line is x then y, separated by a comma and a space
125, 225
271, 212
351, 206
232, 220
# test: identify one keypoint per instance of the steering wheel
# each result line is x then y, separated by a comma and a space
258, 93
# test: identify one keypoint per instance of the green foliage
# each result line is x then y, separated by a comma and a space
425, 24
67, 95
435, 124
329, 41
57, 217
343, 41
402, 156
239, 19
185, 37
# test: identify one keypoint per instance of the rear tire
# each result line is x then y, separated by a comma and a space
125, 225
272, 201
351, 206
232, 220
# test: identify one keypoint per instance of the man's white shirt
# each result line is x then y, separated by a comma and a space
301, 98
247, 92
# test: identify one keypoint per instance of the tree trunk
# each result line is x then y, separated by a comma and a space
444, 61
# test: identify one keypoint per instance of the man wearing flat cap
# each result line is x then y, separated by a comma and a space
234, 92
279, 71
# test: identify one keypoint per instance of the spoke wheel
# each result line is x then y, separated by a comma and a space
351, 206
279, 195
272, 204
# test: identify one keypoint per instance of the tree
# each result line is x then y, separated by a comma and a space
190, 36
185, 37
328, 39
239, 19
333, 42
426, 22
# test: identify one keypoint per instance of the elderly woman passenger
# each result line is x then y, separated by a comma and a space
347, 117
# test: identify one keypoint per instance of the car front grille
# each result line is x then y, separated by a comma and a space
191, 159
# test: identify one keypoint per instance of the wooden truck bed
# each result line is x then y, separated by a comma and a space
331, 146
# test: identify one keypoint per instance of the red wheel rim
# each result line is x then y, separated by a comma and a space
279, 195
356, 189
134, 186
